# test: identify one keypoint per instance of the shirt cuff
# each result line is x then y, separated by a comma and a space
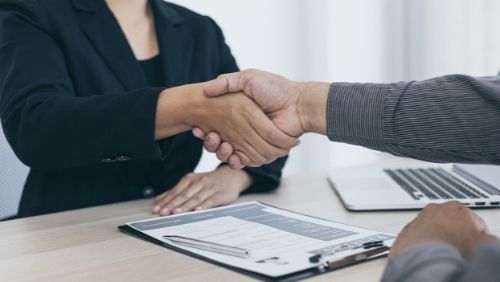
355, 113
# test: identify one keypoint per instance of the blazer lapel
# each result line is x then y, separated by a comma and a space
176, 44
103, 31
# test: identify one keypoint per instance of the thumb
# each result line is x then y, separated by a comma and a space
226, 83
216, 87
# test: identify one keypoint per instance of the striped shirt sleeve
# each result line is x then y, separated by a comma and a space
454, 118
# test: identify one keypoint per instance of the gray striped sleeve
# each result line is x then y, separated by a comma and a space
454, 118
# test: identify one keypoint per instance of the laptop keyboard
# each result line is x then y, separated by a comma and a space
433, 183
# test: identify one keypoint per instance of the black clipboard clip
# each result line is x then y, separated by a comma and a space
370, 250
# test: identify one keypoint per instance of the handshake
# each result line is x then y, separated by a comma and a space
267, 115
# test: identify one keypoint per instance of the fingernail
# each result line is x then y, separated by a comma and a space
198, 208
164, 211
156, 209
231, 164
178, 210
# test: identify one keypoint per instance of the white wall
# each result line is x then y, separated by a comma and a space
453, 36
355, 41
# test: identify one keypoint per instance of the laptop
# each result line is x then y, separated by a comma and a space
400, 188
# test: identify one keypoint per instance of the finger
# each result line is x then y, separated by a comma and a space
198, 133
273, 135
243, 159
235, 161
211, 202
157, 207
216, 87
172, 206
212, 142
225, 150
258, 149
196, 200
161, 196
169, 195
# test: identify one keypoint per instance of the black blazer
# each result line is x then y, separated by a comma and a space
76, 106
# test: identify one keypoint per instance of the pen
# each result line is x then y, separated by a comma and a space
373, 244
367, 245
209, 246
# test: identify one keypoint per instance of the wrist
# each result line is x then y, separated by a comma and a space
171, 115
235, 178
171, 119
480, 240
311, 106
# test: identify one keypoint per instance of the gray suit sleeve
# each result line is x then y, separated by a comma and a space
453, 118
441, 262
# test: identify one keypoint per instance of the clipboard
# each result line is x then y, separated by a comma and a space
326, 265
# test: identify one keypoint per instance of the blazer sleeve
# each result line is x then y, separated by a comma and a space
267, 177
453, 118
45, 123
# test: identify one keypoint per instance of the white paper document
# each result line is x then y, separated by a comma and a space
280, 242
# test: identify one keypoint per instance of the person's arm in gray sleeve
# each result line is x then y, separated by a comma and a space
453, 118
485, 264
428, 262
442, 262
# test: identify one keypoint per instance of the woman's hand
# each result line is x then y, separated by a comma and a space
197, 191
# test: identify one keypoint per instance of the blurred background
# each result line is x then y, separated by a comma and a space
355, 41
338, 40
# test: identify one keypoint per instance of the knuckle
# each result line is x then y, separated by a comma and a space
208, 203
204, 179
180, 198
271, 136
198, 199
430, 206
187, 206
455, 204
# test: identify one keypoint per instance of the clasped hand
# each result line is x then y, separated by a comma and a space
237, 119
277, 96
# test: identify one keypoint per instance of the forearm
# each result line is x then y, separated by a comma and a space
446, 119
172, 110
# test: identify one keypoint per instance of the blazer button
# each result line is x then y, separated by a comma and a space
122, 158
148, 192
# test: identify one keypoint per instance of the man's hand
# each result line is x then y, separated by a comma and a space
236, 118
197, 191
451, 223
283, 100
277, 96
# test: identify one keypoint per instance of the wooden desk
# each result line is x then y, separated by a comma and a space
84, 245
